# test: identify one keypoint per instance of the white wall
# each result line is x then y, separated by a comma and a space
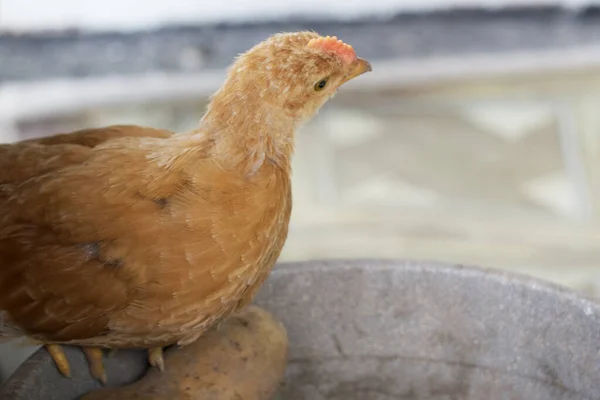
132, 14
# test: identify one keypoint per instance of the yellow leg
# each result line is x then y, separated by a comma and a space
95, 360
155, 358
60, 359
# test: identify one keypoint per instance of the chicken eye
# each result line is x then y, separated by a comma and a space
321, 84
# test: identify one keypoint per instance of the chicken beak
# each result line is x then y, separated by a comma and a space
360, 68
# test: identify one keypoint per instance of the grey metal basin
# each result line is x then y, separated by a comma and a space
381, 330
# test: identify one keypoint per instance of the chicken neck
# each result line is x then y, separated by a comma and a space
248, 132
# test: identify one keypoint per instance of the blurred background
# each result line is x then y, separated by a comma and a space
475, 140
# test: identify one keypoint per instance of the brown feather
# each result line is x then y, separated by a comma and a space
129, 236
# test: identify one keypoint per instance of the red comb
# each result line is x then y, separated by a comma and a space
333, 44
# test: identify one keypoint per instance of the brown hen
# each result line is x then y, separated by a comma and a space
133, 237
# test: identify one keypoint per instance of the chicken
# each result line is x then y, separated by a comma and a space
132, 237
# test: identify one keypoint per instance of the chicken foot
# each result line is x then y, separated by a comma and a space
60, 359
93, 354
95, 357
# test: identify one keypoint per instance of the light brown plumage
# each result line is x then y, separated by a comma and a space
129, 236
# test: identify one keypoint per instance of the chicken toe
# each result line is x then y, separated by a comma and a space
155, 358
95, 360
60, 359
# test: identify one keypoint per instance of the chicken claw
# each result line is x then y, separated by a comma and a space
60, 359
94, 356
155, 358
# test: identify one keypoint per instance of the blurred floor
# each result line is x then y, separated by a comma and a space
500, 173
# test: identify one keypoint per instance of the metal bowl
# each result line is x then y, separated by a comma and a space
383, 330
